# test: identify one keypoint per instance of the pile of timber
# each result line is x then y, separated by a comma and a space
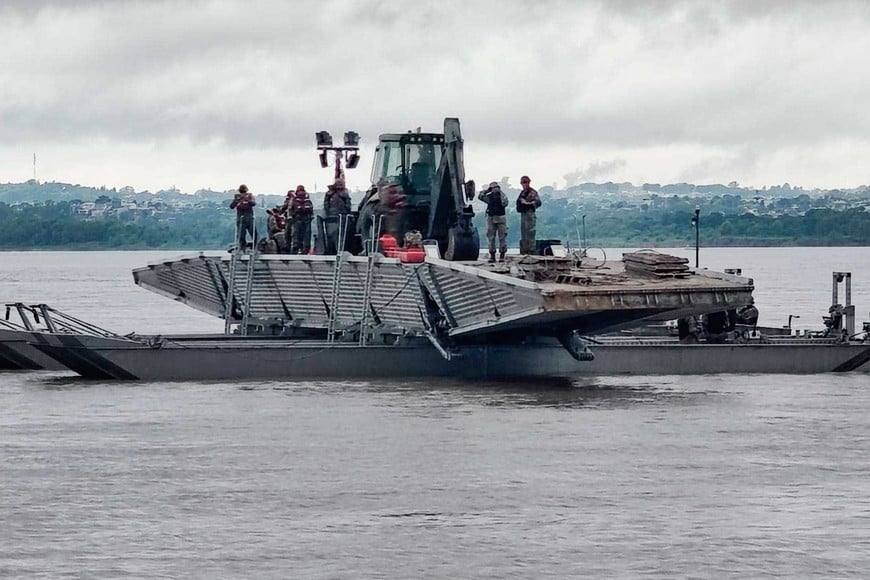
655, 264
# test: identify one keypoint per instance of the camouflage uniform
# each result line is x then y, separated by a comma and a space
336, 204
496, 220
301, 213
276, 227
528, 219
288, 221
243, 202
392, 209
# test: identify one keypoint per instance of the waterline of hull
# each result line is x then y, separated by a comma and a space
213, 358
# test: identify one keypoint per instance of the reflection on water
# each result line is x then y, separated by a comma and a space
554, 392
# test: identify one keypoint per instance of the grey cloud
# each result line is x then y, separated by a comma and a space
269, 74
733, 10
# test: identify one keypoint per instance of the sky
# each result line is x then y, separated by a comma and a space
214, 93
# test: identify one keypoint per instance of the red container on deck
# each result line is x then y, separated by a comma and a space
413, 256
388, 242
389, 246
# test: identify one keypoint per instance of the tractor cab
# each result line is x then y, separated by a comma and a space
418, 184
404, 177
418, 191
411, 159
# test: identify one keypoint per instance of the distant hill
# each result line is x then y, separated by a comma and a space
56, 215
34, 191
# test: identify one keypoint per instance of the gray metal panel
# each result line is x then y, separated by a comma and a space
188, 280
302, 287
299, 287
470, 299
393, 295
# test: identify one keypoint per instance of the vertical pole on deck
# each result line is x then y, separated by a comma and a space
849, 309
231, 282
367, 292
336, 277
249, 281
697, 221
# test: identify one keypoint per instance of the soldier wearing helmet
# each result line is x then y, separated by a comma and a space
527, 202
243, 202
300, 213
496, 222
336, 207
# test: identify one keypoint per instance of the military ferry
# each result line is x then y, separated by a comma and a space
396, 288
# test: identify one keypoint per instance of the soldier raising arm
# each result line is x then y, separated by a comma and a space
496, 222
243, 202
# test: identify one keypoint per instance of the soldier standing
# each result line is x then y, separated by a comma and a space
527, 202
496, 223
272, 223
276, 224
243, 202
392, 208
301, 214
337, 199
336, 205
288, 220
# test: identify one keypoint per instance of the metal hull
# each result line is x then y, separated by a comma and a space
699, 359
17, 354
239, 358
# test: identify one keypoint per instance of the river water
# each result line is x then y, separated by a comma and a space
729, 476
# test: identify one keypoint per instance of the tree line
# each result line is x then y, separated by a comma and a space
672, 226
54, 226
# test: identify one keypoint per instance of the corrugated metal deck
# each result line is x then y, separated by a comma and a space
473, 297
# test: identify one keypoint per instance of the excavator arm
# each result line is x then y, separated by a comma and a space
450, 216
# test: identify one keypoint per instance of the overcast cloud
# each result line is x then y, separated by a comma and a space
211, 93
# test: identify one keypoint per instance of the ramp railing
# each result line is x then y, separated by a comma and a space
336, 276
39, 317
371, 253
7, 325
249, 283
231, 283
232, 297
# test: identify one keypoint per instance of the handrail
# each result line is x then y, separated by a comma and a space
231, 282
336, 275
42, 317
249, 283
7, 325
371, 253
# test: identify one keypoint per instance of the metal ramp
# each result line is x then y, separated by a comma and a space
292, 290
472, 299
